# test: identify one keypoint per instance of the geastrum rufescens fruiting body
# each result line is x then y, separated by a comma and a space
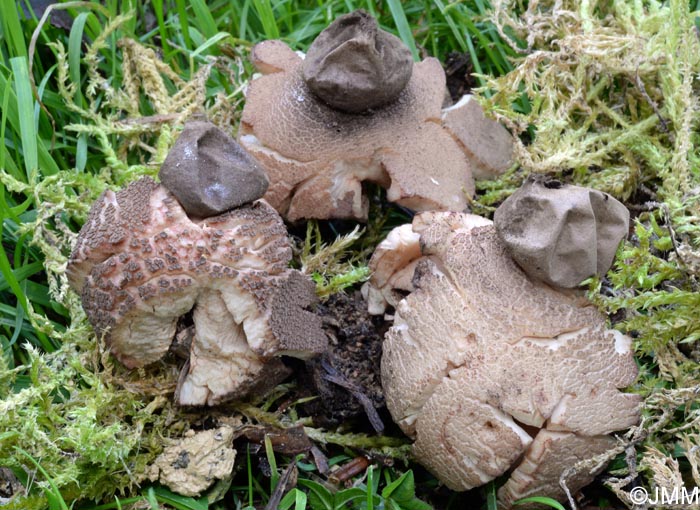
358, 109
141, 262
491, 371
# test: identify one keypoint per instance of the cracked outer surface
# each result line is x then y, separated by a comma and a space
140, 263
489, 370
317, 158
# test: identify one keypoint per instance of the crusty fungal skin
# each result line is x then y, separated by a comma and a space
317, 157
487, 143
480, 358
394, 260
540, 470
140, 263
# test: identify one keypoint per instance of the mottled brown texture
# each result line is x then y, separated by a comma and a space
111, 220
317, 157
229, 268
209, 173
480, 356
354, 66
560, 233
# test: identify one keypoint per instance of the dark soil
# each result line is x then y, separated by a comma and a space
350, 367
9, 485
458, 70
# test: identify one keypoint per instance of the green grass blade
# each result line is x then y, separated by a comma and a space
53, 492
540, 500
117, 505
75, 42
204, 21
267, 18
17, 46
13, 114
177, 501
399, 15
491, 496
19, 274
19, 319
10, 279
212, 41
162, 30
243, 31
270, 454
295, 498
4, 159
370, 488
182, 18
25, 110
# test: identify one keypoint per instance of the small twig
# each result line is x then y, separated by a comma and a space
287, 481
652, 103
334, 376
349, 469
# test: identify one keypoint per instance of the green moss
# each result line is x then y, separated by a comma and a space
91, 435
91, 426
604, 94
333, 266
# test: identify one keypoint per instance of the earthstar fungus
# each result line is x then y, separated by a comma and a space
489, 370
140, 263
317, 157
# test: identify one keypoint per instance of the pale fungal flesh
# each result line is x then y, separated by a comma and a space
393, 264
140, 263
489, 370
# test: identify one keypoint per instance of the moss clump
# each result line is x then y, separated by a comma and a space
614, 95
91, 436
333, 266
